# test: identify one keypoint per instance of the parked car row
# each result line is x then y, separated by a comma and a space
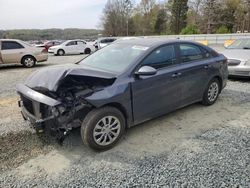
20, 52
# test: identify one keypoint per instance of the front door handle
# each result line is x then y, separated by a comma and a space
207, 66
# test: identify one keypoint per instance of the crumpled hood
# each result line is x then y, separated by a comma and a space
239, 54
50, 77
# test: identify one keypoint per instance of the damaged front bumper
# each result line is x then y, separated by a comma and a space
33, 104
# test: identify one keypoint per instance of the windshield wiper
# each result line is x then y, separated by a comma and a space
246, 48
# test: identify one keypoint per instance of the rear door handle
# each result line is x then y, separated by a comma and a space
176, 74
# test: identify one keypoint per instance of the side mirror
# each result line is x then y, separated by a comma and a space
146, 71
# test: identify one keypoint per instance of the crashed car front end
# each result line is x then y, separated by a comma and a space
45, 112
59, 105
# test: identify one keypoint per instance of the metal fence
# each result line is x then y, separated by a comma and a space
210, 38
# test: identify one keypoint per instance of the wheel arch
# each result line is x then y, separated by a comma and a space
122, 109
60, 49
28, 55
220, 81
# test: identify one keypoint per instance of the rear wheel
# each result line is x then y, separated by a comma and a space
102, 128
87, 51
28, 61
212, 92
60, 52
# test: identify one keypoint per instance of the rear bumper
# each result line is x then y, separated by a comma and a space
239, 71
42, 57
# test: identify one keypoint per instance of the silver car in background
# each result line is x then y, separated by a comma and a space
102, 42
238, 54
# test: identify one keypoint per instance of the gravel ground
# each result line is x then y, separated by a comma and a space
193, 147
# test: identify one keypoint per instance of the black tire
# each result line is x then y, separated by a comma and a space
60, 52
28, 61
87, 51
91, 122
207, 99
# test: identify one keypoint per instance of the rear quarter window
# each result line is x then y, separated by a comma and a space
192, 52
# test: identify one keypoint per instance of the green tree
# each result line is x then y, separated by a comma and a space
189, 30
116, 16
222, 30
160, 24
179, 15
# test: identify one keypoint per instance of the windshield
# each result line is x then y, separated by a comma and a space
240, 44
114, 58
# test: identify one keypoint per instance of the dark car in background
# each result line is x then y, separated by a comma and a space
122, 85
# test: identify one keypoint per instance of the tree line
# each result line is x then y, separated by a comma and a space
151, 17
50, 34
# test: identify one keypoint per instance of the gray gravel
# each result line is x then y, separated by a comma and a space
223, 160
194, 147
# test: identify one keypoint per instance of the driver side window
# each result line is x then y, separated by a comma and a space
161, 57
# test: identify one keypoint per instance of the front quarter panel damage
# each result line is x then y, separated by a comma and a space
119, 94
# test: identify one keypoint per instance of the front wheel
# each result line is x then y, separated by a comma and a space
102, 128
211, 93
60, 52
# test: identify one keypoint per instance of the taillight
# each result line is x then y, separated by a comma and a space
44, 50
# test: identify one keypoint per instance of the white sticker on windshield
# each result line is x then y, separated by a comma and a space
140, 47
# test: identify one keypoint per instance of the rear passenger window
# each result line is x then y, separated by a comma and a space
11, 45
190, 52
80, 43
161, 57
72, 43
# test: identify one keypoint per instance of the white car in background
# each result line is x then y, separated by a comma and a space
72, 47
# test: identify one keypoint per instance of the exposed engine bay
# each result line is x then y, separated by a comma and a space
69, 107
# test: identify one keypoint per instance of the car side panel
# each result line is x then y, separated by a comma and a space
12, 55
156, 95
115, 94
192, 78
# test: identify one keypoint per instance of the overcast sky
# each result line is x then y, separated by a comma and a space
41, 14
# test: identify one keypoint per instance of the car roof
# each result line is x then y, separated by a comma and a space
16, 40
150, 41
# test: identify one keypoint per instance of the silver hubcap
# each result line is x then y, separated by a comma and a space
107, 130
60, 52
29, 62
213, 91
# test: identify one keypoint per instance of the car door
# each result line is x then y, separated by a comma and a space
11, 52
194, 64
81, 46
71, 47
160, 93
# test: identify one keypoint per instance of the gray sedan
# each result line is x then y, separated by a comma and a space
122, 85
238, 54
